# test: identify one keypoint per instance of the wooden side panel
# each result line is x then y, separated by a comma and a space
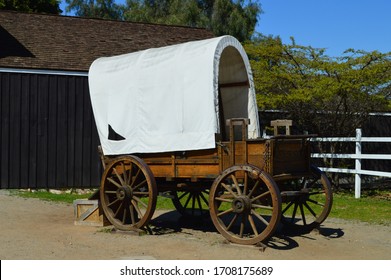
290, 157
191, 164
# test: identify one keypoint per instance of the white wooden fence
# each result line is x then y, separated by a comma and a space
357, 156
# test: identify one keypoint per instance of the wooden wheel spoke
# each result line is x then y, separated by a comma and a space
294, 212
193, 201
139, 185
310, 209
316, 202
260, 196
223, 199
114, 182
242, 225
287, 207
113, 202
110, 192
124, 173
262, 206
204, 198
259, 217
134, 180
317, 192
135, 205
132, 217
245, 187
119, 208
254, 188
236, 184
140, 201
187, 200
225, 212
199, 203
124, 216
229, 190
119, 177
183, 195
232, 222
141, 193
254, 228
302, 214
129, 176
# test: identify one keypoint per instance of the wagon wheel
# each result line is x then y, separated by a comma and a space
191, 202
309, 203
245, 204
128, 193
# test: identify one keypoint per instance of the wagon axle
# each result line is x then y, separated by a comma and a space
124, 193
241, 204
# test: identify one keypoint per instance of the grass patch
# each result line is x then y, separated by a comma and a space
374, 208
48, 196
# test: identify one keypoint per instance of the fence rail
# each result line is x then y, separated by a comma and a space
358, 156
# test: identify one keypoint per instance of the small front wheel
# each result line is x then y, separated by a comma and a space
128, 193
245, 204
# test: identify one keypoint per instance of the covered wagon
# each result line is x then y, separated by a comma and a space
182, 120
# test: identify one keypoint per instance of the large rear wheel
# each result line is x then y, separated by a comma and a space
191, 202
307, 201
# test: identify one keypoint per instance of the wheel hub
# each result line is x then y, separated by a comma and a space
241, 204
124, 192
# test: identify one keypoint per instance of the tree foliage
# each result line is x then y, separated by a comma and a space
322, 95
106, 9
326, 96
237, 18
36, 6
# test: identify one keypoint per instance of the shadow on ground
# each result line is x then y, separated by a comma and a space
283, 239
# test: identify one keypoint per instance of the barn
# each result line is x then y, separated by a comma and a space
48, 137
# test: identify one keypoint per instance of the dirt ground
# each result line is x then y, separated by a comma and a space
32, 229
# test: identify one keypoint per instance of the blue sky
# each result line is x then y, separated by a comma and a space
336, 25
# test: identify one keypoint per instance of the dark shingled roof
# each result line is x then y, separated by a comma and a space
40, 41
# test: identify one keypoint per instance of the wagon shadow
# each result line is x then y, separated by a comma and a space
283, 239
174, 222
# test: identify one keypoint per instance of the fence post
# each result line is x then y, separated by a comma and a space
357, 176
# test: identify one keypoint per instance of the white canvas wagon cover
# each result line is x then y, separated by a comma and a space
167, 99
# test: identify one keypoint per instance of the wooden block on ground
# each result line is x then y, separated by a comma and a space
87, 212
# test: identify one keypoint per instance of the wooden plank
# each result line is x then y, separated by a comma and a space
62, 139
42, 130
33, 132
87, 131
25, 132
14, 132
52, 133
71, 127
79, 127
5, 128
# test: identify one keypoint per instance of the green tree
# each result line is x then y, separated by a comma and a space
36, 6
326, 96
322, 95
106, 9
237, 18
